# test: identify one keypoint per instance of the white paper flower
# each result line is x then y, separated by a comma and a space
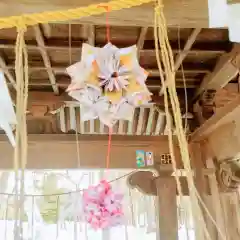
108, 83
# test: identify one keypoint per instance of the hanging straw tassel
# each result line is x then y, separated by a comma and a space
166, 65
20, 154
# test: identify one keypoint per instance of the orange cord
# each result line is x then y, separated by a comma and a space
107, 21
110, 129
109, 148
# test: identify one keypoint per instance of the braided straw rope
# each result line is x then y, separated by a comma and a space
67, 15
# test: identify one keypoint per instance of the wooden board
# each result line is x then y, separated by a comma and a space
59, 151
184, 13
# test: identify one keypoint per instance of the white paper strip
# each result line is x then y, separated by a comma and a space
217, 11
7, 114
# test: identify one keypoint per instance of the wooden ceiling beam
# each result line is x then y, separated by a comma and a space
152, 72
182, 54
229, 113
45, 57
193, 13
153, 84
141, 39
74, 48
188, 45
58, 151
226, 69
48, 98
6, 71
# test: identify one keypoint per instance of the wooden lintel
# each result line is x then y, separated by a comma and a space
229, 113
196, 12
59, 151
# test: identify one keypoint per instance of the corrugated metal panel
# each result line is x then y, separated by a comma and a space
146, 121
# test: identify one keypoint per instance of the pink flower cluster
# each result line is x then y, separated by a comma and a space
102, 207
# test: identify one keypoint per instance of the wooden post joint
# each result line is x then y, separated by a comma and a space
228, 175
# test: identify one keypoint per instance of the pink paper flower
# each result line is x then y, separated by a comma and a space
102, 207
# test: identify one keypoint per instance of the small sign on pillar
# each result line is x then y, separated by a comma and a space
144, 159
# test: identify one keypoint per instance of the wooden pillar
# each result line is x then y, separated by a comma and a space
198, 159
167, 208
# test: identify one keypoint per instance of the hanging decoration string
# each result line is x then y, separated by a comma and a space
168, 65
109, 148
67, 193
107, 8
20, 153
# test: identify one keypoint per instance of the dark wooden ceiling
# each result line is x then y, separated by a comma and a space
53, 47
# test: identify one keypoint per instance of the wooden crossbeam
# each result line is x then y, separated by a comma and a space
53, 46
152, 72
153, 84
58, 151
182, 54
226, 69
195, 10
226, 114
46, 60
6, 71
141, 39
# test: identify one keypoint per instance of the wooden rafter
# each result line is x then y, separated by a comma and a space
46, 60
6, 71
54, 46
46, 30
151, 72
141, 39
226, 69
182, 54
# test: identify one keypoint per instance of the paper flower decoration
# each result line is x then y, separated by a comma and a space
102, 207
114, 78
7, 114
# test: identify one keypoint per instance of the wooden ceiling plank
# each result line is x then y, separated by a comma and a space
53, 47
193, 13
225, 70
6, 71
152, 72
64, 82
45, 57
182, 54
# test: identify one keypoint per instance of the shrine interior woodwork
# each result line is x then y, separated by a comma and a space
201, 55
